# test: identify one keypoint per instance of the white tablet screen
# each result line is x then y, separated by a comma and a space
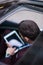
13, 39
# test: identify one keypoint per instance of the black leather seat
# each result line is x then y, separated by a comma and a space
29, 56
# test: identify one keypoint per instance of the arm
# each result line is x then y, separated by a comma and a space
3, 48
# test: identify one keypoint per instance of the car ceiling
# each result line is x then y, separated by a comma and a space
32, 12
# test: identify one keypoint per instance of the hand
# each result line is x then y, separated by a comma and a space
10, 51
8, 45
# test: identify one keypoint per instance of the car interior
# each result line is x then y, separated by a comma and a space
10, 19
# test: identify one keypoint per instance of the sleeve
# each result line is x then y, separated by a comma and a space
3, 48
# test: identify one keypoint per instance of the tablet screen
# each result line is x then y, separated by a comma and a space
13, 39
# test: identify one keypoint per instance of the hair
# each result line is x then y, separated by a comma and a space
29, 29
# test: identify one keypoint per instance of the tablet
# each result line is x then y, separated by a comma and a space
13, 39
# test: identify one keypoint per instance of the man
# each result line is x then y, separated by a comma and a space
29, 30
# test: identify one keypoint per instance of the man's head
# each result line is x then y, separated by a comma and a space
29, 29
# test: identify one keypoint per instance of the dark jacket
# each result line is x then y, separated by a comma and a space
3, 48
